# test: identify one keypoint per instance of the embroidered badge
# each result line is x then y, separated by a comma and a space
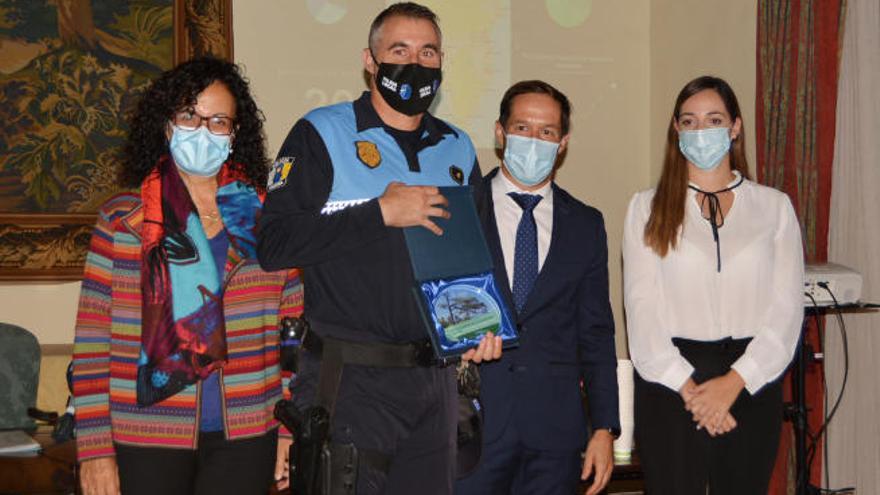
278, 174
456, 174
368, 153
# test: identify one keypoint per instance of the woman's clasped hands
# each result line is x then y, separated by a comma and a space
709, 402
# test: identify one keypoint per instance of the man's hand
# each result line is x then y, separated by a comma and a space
408, 206
282, 463
488, 349
711, 401
99, 476
598, 460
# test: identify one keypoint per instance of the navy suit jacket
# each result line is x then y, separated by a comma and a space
566, 335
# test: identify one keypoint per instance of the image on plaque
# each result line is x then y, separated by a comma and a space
466, 312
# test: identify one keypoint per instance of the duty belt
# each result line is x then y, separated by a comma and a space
322, 463
336, 353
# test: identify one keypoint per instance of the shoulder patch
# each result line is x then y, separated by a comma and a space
457, 174
368, 153
280, 171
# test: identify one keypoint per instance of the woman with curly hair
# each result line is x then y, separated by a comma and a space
176, 360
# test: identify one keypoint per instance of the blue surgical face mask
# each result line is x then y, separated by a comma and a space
706, 147
529, 160
198, 152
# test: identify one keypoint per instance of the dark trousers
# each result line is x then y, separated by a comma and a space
678, 459
407, 414
217, 467
509, 467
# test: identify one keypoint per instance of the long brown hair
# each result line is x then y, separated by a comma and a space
667, 207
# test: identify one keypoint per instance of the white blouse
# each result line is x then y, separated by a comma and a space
758, 292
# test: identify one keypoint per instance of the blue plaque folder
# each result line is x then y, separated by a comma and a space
455, 285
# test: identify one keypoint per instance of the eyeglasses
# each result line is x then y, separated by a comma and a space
216, 124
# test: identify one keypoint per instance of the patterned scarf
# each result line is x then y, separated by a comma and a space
183, 336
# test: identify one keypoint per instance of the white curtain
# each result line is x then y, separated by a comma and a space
854, 240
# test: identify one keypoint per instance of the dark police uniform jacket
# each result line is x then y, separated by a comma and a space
322, 215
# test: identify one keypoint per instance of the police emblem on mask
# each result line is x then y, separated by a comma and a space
368, 153
278, 174
456, 174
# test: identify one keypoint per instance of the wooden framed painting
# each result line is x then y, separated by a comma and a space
70, 72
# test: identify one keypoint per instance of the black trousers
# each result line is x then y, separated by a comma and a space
408, 414
678, 459
217, 467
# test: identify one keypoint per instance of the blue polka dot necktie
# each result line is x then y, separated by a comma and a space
525, 254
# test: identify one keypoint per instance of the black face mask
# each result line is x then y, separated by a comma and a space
408, 88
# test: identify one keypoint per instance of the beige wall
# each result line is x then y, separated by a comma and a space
52, 392
603, 67
47, 310
620, 61
691, 38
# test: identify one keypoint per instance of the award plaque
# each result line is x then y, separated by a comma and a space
455, 286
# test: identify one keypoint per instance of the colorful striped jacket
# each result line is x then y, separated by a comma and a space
108, 339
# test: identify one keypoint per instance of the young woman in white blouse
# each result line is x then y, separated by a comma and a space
713, 282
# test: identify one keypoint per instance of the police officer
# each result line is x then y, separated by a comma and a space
347, 178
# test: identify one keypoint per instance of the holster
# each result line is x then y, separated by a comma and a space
319, 466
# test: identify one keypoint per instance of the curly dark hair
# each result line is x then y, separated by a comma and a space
177, 89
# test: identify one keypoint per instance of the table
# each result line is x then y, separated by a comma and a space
50, 471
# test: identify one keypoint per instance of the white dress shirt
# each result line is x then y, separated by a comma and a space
508, 214
758, 293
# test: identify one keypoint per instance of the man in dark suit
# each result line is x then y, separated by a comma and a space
551, 263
